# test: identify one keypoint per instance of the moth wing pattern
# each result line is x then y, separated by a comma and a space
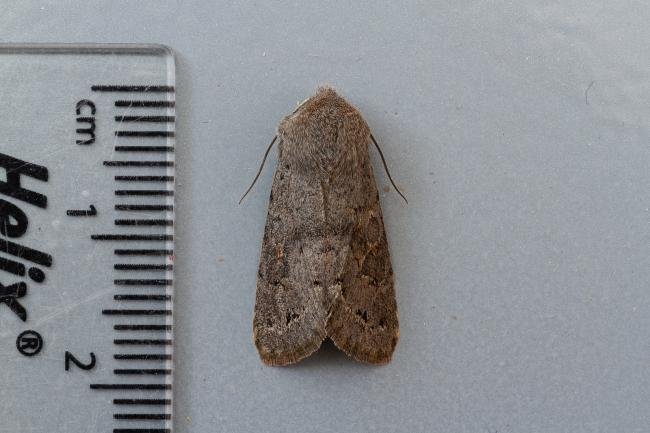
290, 304
363, 321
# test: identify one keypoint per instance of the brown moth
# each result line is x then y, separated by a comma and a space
325, 269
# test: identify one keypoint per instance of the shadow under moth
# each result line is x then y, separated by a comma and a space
325, 269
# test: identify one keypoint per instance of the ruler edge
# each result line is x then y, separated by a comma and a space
86, 48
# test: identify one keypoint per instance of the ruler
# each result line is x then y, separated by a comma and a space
86, 238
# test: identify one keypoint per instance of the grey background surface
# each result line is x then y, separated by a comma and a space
519, 132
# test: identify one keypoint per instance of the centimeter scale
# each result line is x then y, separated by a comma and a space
86, 238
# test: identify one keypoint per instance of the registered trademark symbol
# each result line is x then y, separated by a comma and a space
29, 343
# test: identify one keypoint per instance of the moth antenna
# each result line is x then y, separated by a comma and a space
268, 149
383, 160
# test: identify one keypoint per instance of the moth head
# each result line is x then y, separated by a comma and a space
325, 98
324, 133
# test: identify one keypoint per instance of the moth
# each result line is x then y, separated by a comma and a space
325, 268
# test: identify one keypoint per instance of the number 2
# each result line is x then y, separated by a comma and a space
70, 357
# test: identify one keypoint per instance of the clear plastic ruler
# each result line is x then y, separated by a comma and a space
86, 238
